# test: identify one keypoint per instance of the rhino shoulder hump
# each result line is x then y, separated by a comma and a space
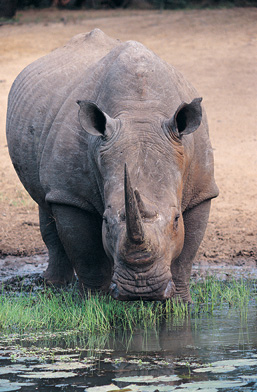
96, 37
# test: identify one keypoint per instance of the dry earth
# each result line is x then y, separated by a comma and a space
216, 50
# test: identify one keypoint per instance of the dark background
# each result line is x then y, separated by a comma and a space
8, 8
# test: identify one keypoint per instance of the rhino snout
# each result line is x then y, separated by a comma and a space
122, 294
149, 282
114, 291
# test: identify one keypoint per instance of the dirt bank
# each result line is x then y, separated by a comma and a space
216, 50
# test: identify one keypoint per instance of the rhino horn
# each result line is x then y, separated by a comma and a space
134, 224
145, 211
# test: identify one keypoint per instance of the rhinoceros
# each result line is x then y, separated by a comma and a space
112, 143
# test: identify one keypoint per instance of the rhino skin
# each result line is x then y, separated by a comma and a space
113, 145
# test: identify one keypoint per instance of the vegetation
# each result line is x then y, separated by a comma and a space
174, 4
8, 8
61, 310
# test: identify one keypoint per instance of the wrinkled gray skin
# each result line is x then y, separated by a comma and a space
113, 145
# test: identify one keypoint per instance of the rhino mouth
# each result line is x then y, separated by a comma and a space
131, 285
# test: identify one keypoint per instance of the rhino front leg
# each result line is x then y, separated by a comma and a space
195, 222
59, 270
81, 235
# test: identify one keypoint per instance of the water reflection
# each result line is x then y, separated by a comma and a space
226, 329
174, 348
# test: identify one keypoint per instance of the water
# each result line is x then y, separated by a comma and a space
184, 353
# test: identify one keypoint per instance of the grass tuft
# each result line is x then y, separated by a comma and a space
52, 310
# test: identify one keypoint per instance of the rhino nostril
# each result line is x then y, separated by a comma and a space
170, 290
114, 291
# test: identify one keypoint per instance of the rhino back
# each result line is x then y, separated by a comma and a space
38, 96
47, 145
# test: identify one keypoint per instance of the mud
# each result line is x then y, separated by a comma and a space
13, 267
26, 273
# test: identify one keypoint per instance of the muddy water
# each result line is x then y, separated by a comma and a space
12, 266
207, 353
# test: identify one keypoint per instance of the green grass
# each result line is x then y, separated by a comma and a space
51, 310
212, 294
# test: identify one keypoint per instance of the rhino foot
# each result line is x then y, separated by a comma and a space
59, 278
182, 294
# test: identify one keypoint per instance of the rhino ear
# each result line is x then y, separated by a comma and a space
187, 118
92, 119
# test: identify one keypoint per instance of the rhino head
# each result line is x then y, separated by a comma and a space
140, 166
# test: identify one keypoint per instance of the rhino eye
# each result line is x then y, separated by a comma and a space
176, 219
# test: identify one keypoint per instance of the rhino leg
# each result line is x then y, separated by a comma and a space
81, 235
195, 222
59, 270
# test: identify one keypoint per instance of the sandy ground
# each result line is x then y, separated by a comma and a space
217, 51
